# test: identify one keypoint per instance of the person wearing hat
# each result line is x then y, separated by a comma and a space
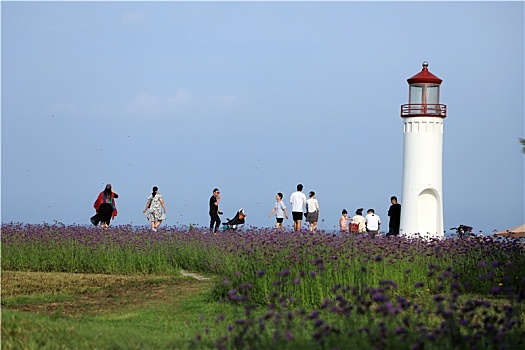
105, 207
312, 207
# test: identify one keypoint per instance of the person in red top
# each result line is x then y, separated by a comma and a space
105, 206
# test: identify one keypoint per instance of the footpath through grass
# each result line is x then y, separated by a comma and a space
82, 311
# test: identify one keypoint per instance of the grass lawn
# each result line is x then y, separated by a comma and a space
84, 311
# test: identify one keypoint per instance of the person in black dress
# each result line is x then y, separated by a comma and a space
105, 207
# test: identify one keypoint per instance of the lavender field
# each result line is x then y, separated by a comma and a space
310, 290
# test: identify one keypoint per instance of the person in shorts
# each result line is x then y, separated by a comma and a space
312, 207
298, 201
280, 211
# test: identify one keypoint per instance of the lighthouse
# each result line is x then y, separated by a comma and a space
422, 193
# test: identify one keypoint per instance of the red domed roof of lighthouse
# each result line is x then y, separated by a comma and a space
424, 76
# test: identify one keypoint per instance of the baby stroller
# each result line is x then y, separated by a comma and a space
237, 220
463, 230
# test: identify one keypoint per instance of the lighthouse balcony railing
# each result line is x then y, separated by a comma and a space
420, 110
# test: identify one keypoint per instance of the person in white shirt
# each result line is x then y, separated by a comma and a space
359, 219
280, 211
373, 222
298, 201
312, 206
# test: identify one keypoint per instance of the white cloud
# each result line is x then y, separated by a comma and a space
152, 105
223, 100
61, 108
184, 103
134, 17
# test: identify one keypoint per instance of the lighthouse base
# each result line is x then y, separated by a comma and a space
422, 215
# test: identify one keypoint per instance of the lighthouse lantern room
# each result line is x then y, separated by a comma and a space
422, 194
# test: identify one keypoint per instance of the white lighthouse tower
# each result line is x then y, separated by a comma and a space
422, 194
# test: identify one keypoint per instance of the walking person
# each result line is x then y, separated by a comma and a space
394, 212
105, 207
373, 222
298, 201
312, 207
359, 220
214, 210
280, 211
154, 206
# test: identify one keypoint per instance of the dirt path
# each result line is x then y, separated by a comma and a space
194, 275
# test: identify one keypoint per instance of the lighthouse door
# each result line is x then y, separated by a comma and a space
427, 213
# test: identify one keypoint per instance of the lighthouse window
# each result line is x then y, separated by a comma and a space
424, 126
416, 127
408, 127
430, 126
416, 94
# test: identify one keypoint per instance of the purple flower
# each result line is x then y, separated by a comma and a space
284, 273
495, 290
318, 323
379, 297
400, 330
438, 298
314, 314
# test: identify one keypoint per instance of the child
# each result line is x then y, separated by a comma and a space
343, 225
280, 211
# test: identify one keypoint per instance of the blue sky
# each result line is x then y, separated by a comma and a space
253, 98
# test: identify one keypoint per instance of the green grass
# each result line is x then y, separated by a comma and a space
178, 310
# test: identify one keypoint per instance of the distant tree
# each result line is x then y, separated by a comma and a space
522, 141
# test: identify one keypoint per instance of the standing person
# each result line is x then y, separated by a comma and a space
373, 222
105, 207
298, 201
394, 212
312, 206
155, 204
280, 211
343, 221
214, 210
359, 219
